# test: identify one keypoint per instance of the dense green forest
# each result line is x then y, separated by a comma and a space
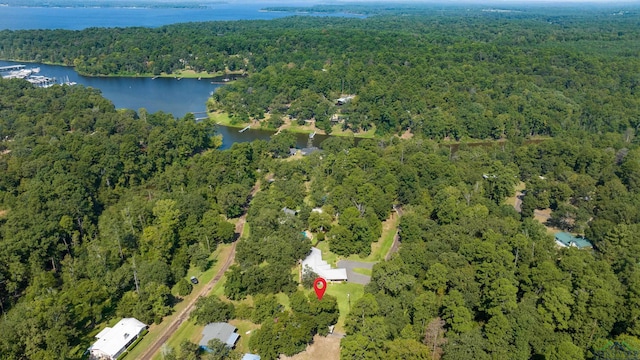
443, 74
97, 222
103, 211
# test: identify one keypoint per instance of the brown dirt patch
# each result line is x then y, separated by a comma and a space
406, 135
326, 348
543, 216
3, 213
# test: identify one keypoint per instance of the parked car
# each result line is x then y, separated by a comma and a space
194, 280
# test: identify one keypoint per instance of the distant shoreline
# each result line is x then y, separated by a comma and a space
183, 74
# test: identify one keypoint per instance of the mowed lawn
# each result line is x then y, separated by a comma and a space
347, 295
155, 330
379, 249
189, 330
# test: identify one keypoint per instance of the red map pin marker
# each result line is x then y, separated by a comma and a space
320, 286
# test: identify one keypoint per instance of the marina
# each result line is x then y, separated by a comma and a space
163, 94
20, 71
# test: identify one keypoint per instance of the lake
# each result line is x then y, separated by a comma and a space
76, 18
177, 97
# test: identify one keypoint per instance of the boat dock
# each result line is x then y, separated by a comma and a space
41, 81
311, 136
244, 129
20, 71
12, 67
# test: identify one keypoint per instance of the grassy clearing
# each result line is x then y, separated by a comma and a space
244, 326
190, 74
283, 299
337, 131
327, 255
512, 199
222, 118
379, 249
347, 294
204, 277
189, 330
363, 271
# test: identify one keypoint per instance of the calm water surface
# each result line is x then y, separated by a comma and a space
76, 18
177, 97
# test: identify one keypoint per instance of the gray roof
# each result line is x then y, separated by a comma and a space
221, 331
309, 150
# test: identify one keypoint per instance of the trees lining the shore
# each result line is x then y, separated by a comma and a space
479, 75
102, 211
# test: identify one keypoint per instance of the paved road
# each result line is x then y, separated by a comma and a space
353, 276
184, 314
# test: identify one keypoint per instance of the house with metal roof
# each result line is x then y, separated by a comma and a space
322, 268
112, 342
565, 239
222, 331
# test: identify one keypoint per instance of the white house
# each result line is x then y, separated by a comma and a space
320, 267
114, 341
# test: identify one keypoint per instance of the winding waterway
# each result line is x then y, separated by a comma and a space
177, 97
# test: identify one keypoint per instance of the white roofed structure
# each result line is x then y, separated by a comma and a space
114, 341
320, 267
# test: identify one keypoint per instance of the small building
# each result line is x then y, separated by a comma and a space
222, 331
335, 118
288, 211
248, 356
304, 151
112, 342
345, 99
322, 268
565, 239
